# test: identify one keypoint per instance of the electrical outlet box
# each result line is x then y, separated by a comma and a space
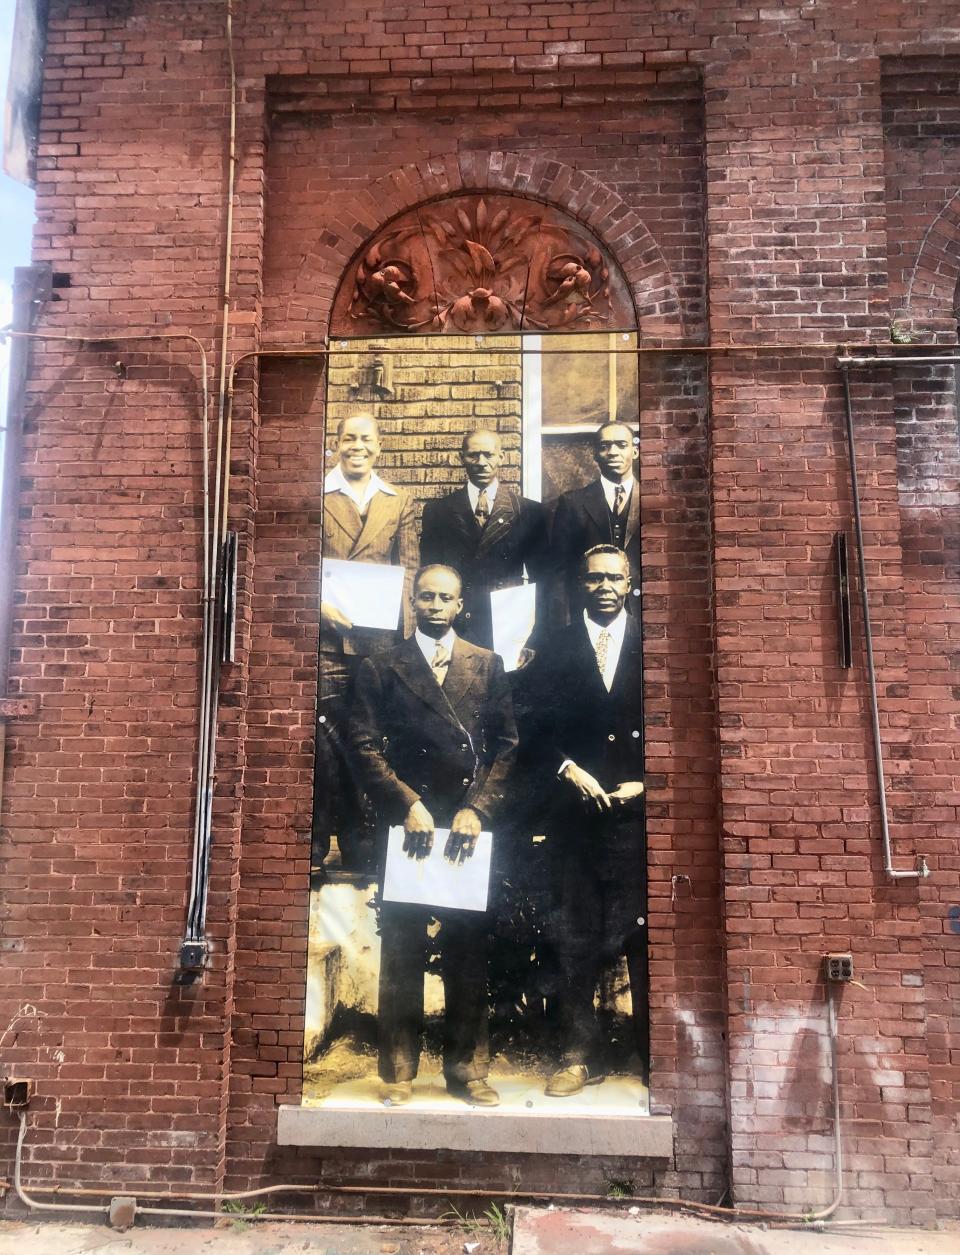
839, 967
17, 1094
193, 955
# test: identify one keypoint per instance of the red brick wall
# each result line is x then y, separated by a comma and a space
755, 174
921, 116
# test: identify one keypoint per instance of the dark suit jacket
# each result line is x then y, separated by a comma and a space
582, 520
515, 536
448, 746
387, 534
571, 715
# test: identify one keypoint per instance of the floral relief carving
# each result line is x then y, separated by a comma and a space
482, 265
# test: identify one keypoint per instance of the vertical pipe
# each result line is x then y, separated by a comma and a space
531, 409
888, 867
612, 377
27, 283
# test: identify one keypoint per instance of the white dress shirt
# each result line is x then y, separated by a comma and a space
428, 645
610, 489
336, 481
473, 492
616, 629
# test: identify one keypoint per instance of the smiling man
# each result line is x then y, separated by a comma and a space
606, 512
433, 740
587, 685
365, 519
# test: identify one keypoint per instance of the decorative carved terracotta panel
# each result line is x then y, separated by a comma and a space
482, 264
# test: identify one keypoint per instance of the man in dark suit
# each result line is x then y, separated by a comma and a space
433, 740
606, 512
486, 531
587, 692
365, 519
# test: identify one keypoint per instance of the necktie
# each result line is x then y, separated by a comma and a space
482, 512
618, 497
439, 663
601, 649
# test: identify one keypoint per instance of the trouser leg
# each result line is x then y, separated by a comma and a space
578, 940
638, 968
625, 915
464, 950
336, 804
403, 944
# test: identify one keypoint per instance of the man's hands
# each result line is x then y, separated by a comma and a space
627, 791
463, 835
332, 620
418, 831
589, 789
593, 795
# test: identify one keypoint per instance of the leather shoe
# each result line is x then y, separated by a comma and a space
476, 1093
570, 1081
397, 1094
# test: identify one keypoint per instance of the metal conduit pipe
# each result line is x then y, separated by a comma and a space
194, 947
892, 872
209, 557
923, 360
11, 475
86, 1208
359, 345
708, 1210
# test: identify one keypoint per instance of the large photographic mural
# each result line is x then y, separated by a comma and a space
478, 886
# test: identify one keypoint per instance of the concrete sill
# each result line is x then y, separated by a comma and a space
537, 1133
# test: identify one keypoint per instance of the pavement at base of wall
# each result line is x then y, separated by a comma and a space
535, 1231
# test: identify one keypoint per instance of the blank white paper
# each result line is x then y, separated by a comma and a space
434, 880
514, 611
368, 593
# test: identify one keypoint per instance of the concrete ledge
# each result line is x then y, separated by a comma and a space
646, 1137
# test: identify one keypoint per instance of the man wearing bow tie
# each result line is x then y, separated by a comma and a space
433, 740
486, 531
587, 685
606, 512
365, 519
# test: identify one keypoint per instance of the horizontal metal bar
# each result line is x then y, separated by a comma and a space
898, 361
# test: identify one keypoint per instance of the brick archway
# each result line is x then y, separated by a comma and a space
930, 302
591, 203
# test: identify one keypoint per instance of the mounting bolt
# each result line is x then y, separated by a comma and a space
838, 968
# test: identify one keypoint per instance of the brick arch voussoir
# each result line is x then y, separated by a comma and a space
930, 302
596, 206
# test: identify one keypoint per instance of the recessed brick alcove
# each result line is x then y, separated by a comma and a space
774, 177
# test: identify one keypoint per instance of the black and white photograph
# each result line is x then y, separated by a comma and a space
478, 907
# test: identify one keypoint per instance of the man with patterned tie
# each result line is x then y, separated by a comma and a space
365, 519
433, 741
606, 512
587, 690
486, 531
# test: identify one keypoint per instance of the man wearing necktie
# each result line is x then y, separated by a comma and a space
365, 519
606, 512
587, 698
488, 532
433, 741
